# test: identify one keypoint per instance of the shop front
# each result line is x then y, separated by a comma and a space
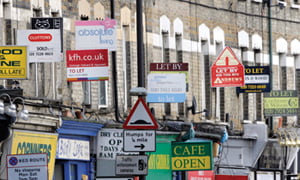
75, 158
159, 163
31, 143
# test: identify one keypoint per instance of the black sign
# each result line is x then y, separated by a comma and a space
257, 80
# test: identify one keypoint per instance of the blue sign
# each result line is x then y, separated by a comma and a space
166, 88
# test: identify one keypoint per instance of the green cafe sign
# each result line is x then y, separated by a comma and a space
192, 156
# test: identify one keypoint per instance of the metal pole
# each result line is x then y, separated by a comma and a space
140, 49
270, 57
140, 53
114, 68
270, 43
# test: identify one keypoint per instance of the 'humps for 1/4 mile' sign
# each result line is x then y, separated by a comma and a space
192, 156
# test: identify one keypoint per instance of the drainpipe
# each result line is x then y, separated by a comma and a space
114, 68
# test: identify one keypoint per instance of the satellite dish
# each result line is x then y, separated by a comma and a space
152, 110
193, 108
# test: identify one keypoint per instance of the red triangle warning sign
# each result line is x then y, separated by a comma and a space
140, 117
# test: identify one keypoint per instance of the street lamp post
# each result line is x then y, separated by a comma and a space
270, 43
140, 53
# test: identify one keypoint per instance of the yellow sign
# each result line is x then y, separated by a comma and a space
281, 103
191, 163
13, 62
31, 143
159, 161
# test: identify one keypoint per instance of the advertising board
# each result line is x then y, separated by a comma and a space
43, 45
192, 156
25, 142
96, 34
13, 62
281, 103
87, 65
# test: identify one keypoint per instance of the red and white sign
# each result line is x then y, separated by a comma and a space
42, 45
40, 37
140, 117
227, 70
201, 175
87, 65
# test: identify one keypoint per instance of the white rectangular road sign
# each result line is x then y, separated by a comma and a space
132, 165
27, 166
139, 140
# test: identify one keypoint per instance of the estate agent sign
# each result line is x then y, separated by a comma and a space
281, 103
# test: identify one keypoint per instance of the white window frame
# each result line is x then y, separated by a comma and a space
86, 87
100, 105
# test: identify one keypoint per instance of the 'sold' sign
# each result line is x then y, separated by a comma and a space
227, 71
192, 156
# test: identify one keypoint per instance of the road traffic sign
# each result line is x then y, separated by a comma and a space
36, 164
227, 70
139, 140
140, 117
132, 165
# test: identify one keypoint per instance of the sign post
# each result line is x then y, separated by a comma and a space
140, 118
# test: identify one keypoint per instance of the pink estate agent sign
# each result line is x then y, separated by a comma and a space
96, 34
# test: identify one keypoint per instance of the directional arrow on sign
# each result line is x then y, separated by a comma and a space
139, 140
142, 146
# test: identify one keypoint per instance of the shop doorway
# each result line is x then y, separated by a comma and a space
71, 170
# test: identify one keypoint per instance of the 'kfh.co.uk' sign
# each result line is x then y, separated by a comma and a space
96, 34
87, 65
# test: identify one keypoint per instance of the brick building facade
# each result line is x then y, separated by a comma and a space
193, 32
174, 31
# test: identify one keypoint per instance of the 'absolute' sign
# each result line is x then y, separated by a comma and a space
192, 156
